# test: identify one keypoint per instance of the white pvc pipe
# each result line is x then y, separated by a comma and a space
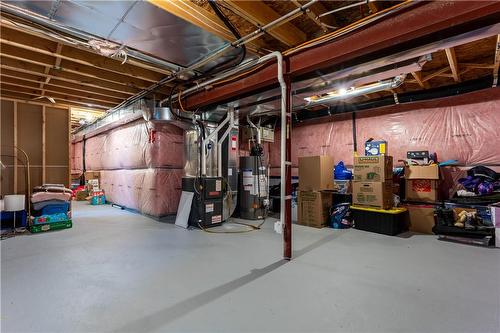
221, 141
205, 142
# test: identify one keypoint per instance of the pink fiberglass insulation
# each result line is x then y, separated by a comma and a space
130, 147
153, 192
464, 128
76, 157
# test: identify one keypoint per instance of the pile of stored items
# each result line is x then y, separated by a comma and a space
391, 200
50, 208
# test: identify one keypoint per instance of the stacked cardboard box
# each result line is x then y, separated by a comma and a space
372, 185
422, 183
315, 190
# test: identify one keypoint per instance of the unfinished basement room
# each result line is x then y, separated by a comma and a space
250, 166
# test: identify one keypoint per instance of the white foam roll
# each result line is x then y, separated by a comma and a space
14, 202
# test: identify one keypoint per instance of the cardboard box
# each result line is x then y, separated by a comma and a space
81, 195
372, 168
313, 208
92, 175
342, 186
375, 148
495, 219
373, 194
421, 218
422, 172
422, 190
316, 173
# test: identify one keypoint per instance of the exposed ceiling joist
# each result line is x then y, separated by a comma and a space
313, 12
48, 88
38, 92
202, 18
259, 14
27, 67
84, 54
70, 67
418, 80
8, 73
29, 96
45, 46
439, 72
452, 60
374, 6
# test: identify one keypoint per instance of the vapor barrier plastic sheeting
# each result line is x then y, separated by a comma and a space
153, 192
76, 157
464, 128
130, 147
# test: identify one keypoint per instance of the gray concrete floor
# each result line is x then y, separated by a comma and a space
119, 271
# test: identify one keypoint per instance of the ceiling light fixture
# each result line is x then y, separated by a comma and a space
344, 93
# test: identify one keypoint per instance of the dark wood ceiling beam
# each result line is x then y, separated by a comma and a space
259, 14
452, 60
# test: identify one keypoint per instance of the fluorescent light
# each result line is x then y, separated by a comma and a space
343, 93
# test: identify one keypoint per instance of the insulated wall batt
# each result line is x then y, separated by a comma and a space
462, 127
153, 192
130, 147
76, 157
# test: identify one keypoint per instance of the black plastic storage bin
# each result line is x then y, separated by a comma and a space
382, 221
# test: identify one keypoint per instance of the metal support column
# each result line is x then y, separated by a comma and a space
287, 225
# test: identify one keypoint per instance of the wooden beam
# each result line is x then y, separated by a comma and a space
15, 145
102, 93
497, 62
374, 6
259, 14
473, 65
21, 98
418, 80
132, 67
44, 145
313, 13
70, 67
58, 97
452, 60
436, 73
202, 18
55, 89
26, 67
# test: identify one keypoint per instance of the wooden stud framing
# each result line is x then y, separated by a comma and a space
452, 60
15, 147
44, 144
